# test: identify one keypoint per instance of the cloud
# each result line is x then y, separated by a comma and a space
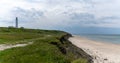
60, 13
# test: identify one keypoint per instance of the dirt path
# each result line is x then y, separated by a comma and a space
6, 46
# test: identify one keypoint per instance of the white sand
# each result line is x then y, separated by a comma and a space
101, 52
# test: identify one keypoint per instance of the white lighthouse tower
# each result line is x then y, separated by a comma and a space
16, 22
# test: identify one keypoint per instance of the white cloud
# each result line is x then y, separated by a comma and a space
55, 13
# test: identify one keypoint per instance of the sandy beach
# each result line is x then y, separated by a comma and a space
101, 52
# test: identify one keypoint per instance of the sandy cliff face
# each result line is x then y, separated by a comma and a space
69, 47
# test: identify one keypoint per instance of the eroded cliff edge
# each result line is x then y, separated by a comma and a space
67, 47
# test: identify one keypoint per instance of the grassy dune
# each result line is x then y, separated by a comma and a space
43, 49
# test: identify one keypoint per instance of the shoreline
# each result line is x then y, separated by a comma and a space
105, 42
100, 51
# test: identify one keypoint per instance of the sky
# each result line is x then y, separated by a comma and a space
74, 16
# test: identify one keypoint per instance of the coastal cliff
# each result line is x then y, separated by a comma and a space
48, 46
67, 47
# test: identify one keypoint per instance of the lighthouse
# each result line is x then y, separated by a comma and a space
16, 22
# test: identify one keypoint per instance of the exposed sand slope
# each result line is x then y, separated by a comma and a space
101, 52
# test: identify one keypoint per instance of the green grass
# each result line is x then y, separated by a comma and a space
80, 60
41, 51
13, 35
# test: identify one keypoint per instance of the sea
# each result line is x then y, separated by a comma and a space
110, 38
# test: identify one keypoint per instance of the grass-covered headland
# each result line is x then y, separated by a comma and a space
49, 46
